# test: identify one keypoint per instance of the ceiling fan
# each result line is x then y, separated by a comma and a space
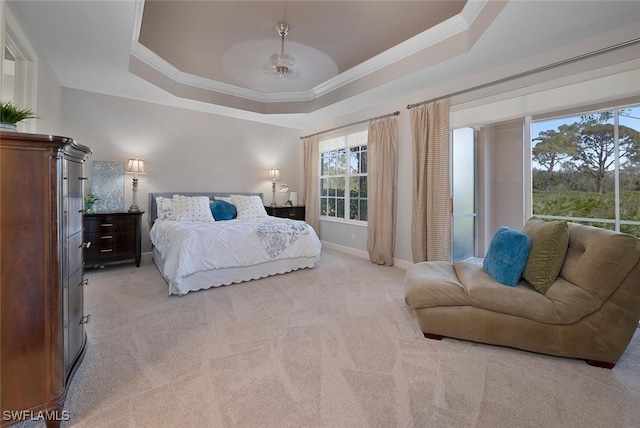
281, 64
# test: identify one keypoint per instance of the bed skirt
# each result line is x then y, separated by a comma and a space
218, 277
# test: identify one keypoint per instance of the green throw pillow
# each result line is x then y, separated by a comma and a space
549, 243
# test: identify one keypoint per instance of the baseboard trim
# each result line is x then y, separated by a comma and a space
402, 264
343, 249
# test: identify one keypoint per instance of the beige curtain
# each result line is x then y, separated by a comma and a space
382, 179
311, 179
431, 211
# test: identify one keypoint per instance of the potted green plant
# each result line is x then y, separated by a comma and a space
10, 115
90, 201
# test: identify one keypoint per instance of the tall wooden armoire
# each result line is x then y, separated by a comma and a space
41, 273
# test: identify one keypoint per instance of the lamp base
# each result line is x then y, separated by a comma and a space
134, 209
273, 189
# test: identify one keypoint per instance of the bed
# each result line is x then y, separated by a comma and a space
195, 253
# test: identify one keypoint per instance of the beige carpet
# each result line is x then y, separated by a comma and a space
334, 346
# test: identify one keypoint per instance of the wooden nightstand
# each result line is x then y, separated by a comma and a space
295, 213
114, 236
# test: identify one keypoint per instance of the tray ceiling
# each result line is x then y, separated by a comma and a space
221, 47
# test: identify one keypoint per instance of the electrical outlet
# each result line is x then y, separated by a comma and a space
353, 236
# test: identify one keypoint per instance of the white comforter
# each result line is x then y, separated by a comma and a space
190, 247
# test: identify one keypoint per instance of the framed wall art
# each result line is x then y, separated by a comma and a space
108, 184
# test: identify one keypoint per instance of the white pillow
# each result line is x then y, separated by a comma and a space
192, 208
164, 209
249, 206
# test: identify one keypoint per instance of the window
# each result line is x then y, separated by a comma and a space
586, 168
343, 165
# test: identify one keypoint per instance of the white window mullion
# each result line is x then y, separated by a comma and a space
616, 175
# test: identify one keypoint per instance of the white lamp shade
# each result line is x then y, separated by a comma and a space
135, 166
274, 173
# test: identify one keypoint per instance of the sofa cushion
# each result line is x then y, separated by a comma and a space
507, 255
598, 259
486, 293
430, 284
549, 243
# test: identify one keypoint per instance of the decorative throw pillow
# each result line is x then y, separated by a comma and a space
549, 244
164, 209
223, 210
249, 206
507, 255
192, 208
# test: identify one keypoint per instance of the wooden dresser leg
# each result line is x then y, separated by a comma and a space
52, 423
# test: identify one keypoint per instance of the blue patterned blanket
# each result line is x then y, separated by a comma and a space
277, 235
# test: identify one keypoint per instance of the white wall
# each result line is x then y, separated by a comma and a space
502, 180
183, 150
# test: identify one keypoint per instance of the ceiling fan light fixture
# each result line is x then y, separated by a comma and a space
281, 64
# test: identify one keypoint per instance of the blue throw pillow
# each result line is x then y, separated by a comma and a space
507, 256
223, 210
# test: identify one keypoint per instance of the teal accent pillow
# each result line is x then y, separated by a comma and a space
507, 256
223, 210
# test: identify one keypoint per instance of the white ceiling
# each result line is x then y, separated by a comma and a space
115, 48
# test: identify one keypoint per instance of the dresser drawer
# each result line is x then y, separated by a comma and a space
109, 244
72, 177
75, 294
74, 253
294, 213
109, 224
75, 335
73, 214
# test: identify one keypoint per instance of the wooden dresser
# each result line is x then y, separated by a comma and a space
41, 274
114, 236
295, 213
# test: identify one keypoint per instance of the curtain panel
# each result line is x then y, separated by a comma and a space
431, 210
382, 179
311, 179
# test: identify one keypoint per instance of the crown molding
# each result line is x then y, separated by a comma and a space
426, 39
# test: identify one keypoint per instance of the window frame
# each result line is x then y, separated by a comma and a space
331, 142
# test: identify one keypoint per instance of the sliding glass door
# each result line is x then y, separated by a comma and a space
463, 172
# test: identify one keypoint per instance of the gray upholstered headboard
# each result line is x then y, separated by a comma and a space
153, 207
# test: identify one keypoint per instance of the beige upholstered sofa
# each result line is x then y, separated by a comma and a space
590, 311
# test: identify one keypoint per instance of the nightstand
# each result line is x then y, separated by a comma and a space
295, 213
114, 236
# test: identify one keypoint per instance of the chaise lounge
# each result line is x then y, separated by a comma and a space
590, 311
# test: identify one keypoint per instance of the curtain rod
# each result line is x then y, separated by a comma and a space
530, 72
395, 113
